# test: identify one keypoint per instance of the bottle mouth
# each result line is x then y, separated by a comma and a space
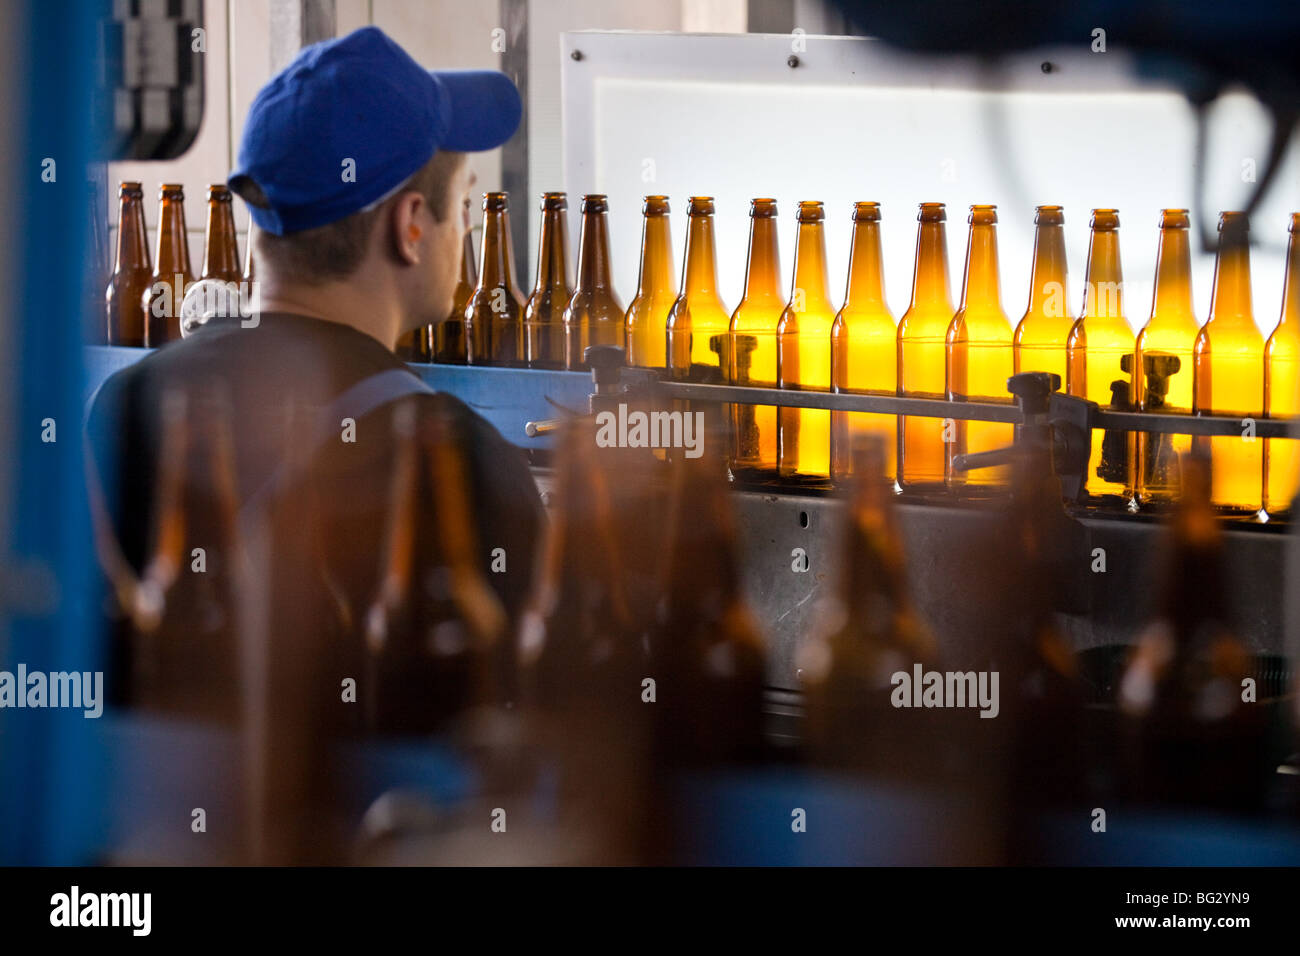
866, 212
1174, 219
595, 202
764, 208
983, 215
811, 210
172, 190
1295, 223
130, 186
219, 192
932, 212
655, 206
496, 202
1049, 215
1105, 219
554, 201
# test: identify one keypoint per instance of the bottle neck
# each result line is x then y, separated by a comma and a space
1048, 280
553, 253
981, 289
1231, 298
866, 288
1173, 294
593, 254
930, 280
132, 242
497, 257
173, 248
700, 271
220, 254
656, 276
763, 268
1291, 282
810, 266
1103, 293
468, 263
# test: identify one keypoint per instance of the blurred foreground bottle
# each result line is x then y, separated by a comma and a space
1162, 364
1099, 342
656, 291
132, 273
753, 346
544, 310
1282, 385
172, 275
979, 353
1044, 329
1229, 379
922, 355
494, 312
449, 335
804, 354
594, 315
869, 632
864, 343
698, 314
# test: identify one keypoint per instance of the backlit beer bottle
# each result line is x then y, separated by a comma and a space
804, 354
1044, 329
1282, 385
922, 355
864, 339
656, 291
1229, 379
1098, 344
132, 273
869, 629
544, 310
172, 275
594, 315
979, 351
752, 355
449, 335
698, 314
220, 250
494, 312
1162, 364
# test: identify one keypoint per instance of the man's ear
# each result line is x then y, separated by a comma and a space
406, 230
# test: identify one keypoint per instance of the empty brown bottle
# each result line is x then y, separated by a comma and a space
922, 359
864, 343
594, 315
494, 312
752, 358
868, 632
1162, 364
220, 248
132, 273
698, 315
449, 335
1044, 329
1229, 374
172, 274
544, 310
1282, 385
656, 291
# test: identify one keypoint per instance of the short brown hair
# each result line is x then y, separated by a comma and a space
335, 250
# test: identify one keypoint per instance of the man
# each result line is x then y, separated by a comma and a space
353, 164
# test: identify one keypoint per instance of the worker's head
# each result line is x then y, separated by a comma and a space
353, 163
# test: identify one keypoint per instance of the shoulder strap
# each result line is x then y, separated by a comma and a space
355, 402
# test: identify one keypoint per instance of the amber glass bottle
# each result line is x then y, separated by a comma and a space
698, 314
752, 358
494, 312
594, 315
1099, 342
656, 291
171, 268
863, 346
132, 273
979, 353
1162, 364
449, 335
1229, 379
804, 354
1282, 385
544, 310
220, 249
1044, 329
922, 355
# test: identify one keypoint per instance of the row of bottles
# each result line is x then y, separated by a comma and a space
799, 340
138, 310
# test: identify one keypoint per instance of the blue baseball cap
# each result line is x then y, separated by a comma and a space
350, 120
